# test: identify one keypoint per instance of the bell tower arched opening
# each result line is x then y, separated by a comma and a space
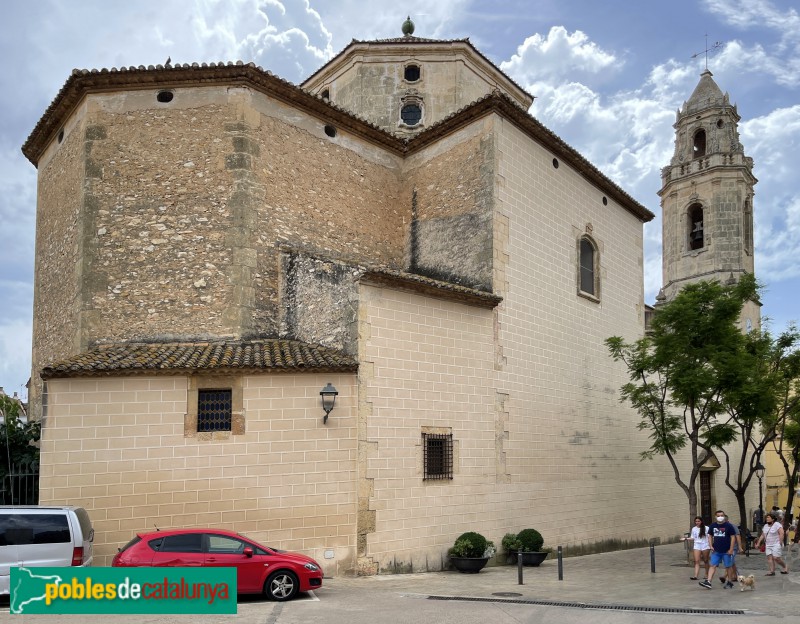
695, 220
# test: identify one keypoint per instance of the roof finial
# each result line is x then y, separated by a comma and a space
717, 44
408, 27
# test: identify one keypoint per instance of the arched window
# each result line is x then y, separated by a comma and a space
699, 148
695, 227
588, 267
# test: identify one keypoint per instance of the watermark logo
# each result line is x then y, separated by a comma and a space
123, 590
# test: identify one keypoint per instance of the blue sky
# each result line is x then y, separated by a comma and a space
608, 77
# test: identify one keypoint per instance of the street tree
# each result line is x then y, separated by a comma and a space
758, 403
680, 371
786, 441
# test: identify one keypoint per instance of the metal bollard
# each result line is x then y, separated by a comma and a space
652, 557
560, 564
519, 568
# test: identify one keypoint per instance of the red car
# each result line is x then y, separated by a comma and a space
275, 573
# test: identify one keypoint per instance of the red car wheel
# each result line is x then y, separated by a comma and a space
282, 585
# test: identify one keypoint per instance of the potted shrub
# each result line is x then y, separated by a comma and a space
530, 547
511, 546
471, 552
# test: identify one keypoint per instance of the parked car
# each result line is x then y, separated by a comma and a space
275, 573
38, 536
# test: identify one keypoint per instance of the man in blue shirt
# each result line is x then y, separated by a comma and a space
721, 535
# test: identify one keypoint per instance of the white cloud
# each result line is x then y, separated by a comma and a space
772, 140
558, 56
749, 14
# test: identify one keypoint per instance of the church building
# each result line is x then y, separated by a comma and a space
218, 251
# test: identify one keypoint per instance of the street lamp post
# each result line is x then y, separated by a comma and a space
760, 474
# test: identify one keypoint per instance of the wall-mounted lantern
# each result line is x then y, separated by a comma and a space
328, 394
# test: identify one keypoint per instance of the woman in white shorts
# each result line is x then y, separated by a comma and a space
772, 534
699, 536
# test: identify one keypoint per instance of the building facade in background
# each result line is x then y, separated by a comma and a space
216, 245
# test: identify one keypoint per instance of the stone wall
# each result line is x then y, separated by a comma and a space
59, 267
452, 189
186, 205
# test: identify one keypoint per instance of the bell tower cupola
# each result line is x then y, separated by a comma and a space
707, 197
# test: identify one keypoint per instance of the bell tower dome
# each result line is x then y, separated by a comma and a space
707, 197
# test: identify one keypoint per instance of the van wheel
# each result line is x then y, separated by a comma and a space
282, 585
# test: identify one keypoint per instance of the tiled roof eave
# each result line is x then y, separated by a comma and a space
48, 373
207, 358
82, 82
431, 287
497, 102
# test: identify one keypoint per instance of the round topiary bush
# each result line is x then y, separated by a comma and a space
530, 540
469, 544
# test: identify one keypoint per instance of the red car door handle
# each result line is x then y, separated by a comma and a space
211, 559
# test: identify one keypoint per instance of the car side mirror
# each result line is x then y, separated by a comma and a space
248, 552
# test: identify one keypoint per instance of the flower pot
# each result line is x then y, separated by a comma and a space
469, 565
532, 558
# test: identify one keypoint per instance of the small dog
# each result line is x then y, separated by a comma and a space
747, 581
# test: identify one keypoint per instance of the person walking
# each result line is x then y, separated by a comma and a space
731, 572
772, 536
699, 536
722, 534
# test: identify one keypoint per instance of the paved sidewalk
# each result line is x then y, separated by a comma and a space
617, 578
620, 578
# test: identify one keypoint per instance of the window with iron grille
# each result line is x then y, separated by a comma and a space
214, 410
437, 450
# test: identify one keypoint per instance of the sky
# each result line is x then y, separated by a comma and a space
608, 78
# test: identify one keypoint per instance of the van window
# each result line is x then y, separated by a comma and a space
21, 529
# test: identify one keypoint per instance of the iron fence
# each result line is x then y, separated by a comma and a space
20, 486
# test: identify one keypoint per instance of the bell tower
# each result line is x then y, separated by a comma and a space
707, 198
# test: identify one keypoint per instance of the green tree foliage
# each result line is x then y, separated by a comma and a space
680, 372
760, 404
18, 442
786, 441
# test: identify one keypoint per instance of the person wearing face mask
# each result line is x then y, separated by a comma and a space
722, 534
772, 535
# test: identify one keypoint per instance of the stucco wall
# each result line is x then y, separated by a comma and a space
117, 447
373, 85
572, 449
427, 363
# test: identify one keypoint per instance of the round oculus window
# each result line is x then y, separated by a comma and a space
411, 114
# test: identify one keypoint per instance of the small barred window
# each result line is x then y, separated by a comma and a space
437, 451
214, 410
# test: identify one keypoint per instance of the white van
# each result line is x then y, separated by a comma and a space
36, 536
